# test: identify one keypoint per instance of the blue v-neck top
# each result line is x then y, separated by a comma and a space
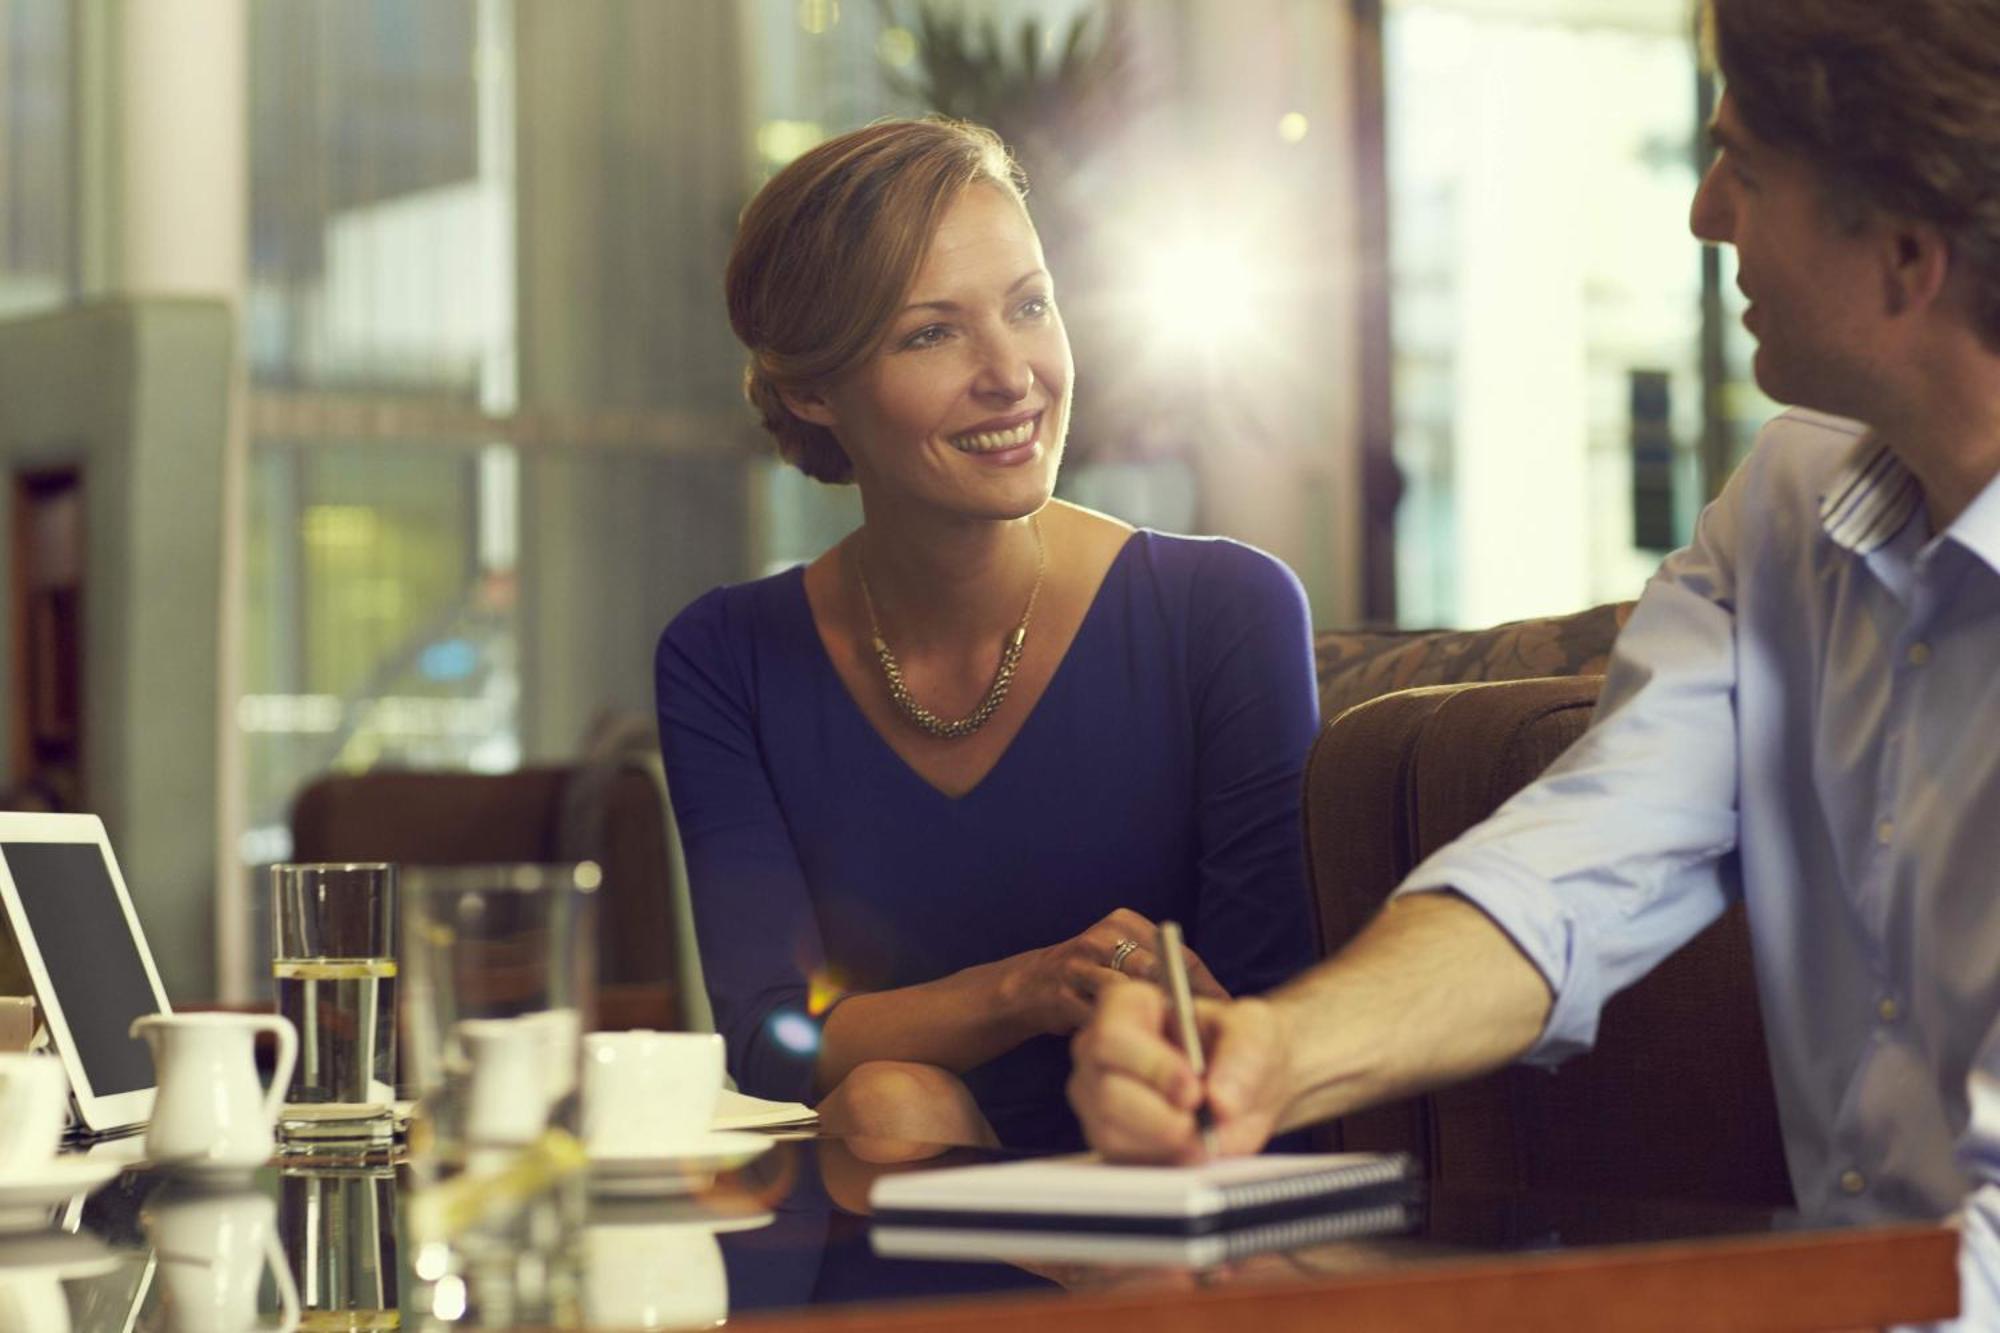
1160, 771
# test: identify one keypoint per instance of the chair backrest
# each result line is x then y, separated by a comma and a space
1676, 1099
614, 815
1355, 665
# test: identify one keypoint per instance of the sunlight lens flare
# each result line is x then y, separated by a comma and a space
823, 991
795, 1032
1199, 292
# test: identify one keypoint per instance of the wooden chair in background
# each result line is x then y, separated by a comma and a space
614, 814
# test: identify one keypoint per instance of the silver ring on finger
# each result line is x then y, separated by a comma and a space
1120, 952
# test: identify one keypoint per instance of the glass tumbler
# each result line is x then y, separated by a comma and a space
338, 1225
499, 981
333, 962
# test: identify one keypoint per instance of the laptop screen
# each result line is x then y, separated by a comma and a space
92, 960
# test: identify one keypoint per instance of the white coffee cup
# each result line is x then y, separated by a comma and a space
33, 1095
644, 1092
33, 1303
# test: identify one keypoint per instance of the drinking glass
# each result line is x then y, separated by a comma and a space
338, 1225
333, 959
500, 970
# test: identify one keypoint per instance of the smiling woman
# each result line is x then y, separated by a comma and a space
939, 786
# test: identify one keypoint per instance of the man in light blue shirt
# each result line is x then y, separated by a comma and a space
1804, 709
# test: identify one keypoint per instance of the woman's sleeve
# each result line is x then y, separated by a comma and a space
753, 916
1256, 714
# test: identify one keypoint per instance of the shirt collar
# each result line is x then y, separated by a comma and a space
1871, 498
1977, 529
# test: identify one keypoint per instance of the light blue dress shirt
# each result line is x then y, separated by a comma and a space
1804, 710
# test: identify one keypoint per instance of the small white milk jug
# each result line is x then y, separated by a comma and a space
210, 1114
507, 1093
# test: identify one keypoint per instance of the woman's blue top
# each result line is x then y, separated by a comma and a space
1160, 771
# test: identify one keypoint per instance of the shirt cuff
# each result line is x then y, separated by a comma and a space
1541, 926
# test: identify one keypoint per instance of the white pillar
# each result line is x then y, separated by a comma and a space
184, 154
164, 211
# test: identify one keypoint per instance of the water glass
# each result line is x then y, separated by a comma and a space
338, 1225
333, 960
500, 971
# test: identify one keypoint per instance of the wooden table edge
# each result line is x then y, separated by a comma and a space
1862, 1277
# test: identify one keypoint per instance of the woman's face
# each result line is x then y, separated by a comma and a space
965, 405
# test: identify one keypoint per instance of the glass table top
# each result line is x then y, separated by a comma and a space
783, 1232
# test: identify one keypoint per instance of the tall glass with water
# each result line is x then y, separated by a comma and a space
338, 1225
334, 964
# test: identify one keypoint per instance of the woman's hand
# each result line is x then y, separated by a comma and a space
1055, 989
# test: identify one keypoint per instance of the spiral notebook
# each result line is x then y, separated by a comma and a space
1083, 1193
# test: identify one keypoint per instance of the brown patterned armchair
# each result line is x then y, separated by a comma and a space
1356, 665
1426, 734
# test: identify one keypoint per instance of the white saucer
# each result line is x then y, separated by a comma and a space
28, 1193
203, 1172
58, 1254
356, 1113
615, 1211
675, 1168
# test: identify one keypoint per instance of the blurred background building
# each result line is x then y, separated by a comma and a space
1401, 292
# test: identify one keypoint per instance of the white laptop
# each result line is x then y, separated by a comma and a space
93, 974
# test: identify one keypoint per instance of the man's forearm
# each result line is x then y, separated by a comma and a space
1429, 993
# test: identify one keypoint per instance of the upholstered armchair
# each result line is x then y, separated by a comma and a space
1426, 735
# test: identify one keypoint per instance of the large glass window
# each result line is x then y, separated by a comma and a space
37, 156
381, 618
381, 621
1548, 302
377, 260
490, 377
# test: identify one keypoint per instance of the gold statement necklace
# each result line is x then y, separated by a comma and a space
1010, 657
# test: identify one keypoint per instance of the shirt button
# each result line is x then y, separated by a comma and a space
1885, 832
1852, 1182
1888, 1009
1919, 654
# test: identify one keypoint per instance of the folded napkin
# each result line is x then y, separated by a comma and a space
737, 1111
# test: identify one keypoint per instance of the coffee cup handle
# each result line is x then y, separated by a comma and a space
288, 1288
288, 1055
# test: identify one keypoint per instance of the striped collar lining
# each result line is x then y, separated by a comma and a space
1870, 499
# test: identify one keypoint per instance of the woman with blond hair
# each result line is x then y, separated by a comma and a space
940, 785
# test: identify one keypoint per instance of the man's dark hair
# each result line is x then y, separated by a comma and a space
1896, 102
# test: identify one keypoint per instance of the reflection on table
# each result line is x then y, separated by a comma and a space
788, 1233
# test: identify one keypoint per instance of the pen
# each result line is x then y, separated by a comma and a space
1182, 999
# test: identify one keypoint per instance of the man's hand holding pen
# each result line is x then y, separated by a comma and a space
1137, 1092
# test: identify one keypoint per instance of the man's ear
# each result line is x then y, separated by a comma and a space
1917, 265
809, 405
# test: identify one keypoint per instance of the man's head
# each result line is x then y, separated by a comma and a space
1859, 178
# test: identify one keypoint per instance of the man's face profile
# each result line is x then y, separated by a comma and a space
1815, 303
